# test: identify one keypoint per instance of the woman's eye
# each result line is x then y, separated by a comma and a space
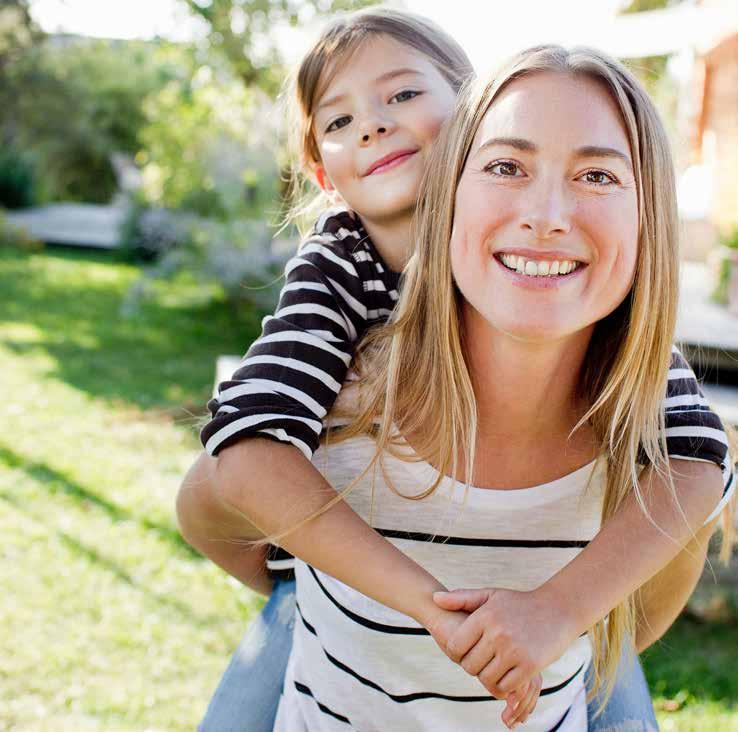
599, 178
336, 124
403, 96
504, 168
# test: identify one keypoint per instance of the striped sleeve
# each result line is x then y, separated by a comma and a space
693, 430
335, 287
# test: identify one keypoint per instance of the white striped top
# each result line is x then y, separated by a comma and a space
336, 288
358, 665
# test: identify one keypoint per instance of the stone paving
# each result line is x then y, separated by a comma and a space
77, 224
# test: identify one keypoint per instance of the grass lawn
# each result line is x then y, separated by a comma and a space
109, 621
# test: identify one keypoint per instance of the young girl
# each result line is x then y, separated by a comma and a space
375, 91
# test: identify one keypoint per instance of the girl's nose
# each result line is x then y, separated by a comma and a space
381, 130
375, 124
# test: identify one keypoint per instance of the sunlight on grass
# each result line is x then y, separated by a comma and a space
111, 621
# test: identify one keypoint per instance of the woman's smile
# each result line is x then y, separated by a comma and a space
539, 274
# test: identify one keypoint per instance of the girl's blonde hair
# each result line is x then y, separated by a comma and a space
342, 37
624, 374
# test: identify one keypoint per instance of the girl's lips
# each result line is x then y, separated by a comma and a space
390, 161
542, 282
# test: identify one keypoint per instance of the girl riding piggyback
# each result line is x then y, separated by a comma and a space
373, 94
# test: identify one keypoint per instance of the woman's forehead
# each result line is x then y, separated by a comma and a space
555, 109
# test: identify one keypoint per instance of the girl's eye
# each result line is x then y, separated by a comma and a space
403, 96
337, 123
599, 178
504, 169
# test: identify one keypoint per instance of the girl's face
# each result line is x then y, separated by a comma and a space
545, 233
374, 125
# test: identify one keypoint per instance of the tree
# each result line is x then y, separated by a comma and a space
243, 31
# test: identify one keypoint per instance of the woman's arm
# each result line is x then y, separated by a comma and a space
665, 595
208, 525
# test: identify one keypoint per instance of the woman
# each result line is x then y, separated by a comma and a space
562, 172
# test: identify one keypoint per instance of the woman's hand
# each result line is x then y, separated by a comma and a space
508, 638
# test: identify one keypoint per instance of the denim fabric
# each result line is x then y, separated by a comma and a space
629, 709
247, 697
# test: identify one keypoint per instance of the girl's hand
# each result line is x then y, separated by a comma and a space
509, 636
442, 624
522, 702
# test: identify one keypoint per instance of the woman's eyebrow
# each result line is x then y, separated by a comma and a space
394, 73
595, 151
587, 151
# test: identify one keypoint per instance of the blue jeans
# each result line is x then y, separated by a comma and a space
247, 697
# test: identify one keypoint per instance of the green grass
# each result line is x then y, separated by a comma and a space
110, 622
693, 676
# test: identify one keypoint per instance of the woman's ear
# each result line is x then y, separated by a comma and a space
323, 180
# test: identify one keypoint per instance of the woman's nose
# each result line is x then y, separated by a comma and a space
546, 212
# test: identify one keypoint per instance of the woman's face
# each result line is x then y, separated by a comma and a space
545, 233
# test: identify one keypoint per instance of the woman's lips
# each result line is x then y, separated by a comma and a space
389, 161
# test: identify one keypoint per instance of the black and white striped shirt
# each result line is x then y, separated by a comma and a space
336, 288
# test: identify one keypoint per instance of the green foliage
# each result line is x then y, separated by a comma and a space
639, 6
219, 160
730, 239
242, 31
77, 103
17, 179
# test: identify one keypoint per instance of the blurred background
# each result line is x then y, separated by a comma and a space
142, 163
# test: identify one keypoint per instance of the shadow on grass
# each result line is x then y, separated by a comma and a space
55, 482
99, 561
161, 356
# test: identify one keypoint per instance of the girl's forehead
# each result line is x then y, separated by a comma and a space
368, 61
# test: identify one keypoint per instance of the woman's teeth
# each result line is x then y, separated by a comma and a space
538, 269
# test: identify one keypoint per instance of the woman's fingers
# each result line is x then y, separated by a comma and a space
478, 657
464, 639
467, 600
491, 674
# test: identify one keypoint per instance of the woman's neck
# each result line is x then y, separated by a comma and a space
391, 238
527, 404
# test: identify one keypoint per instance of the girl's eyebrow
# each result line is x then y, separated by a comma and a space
587, 151
384, 77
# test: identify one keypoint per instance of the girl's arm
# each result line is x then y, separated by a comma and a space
665, 595
338, 542
629, 550
222, 501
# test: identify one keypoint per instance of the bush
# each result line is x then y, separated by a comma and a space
17, 180
147, 233
16, 237
233, 258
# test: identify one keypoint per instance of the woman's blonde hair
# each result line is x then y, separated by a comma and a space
624, 374
341, 38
